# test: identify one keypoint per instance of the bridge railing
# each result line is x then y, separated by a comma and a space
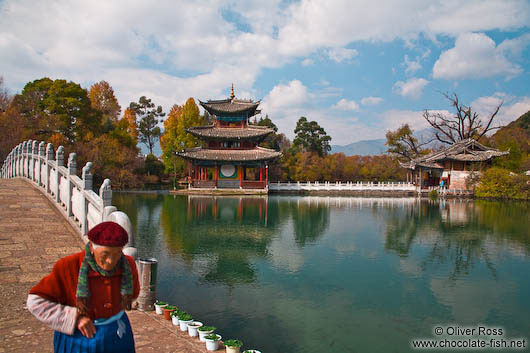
342, 186
71, 194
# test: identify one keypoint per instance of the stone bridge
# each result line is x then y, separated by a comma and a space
45, 213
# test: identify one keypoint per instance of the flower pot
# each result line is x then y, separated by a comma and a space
193, 328
203, 334
184, 325
233, 345
158, 308
167, 312
175, 320
212, 345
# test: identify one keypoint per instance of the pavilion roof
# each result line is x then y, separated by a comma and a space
232, 155
466, 151
230, 106
211, 132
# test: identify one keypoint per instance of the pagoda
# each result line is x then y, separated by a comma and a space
230, 157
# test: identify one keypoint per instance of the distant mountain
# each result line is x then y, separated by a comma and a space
361, 148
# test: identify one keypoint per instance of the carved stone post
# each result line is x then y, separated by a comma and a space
25, 152
72, 170
49, 158
87, 185
17, 168
105, 193
59, 162
40, 158
34, 158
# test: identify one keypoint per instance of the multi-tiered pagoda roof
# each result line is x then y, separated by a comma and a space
230, 156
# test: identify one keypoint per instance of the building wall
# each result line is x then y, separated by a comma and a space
458, 179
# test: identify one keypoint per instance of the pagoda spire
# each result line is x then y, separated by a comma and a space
232, 95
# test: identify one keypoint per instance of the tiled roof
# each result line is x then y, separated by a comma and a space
229, 133
228, 106
466, 151
206, 154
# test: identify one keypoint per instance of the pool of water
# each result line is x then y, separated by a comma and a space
337, 274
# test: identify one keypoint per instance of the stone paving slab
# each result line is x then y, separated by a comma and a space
33, 236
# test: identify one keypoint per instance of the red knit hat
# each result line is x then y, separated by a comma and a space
108, 234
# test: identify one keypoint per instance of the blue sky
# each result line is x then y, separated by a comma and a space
359, 68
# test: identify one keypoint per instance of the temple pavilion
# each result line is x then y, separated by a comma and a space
230, 157
452, 165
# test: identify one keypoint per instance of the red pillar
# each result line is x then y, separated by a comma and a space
261, 173
216, 174
240, 176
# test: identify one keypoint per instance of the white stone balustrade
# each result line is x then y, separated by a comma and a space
342, 186
72, 195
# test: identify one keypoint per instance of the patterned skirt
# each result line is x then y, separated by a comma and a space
112, 335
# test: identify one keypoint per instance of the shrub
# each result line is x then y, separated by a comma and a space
500, 183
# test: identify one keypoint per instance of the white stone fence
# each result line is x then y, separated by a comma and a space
342, 186
72, 195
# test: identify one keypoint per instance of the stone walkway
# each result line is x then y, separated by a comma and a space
33, 236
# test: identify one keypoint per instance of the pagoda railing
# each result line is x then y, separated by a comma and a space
204, 184
253, 184
73, 196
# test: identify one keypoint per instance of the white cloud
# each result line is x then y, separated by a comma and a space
307, 62
282, 96
413, 88
393, 119
474, 56
411, 65
341, 54
371, 100
511, 109
345, 104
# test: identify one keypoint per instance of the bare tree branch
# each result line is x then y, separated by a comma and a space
463, 125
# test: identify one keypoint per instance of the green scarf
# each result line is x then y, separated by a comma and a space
83, 292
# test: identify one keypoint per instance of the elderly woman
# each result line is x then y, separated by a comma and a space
84, 297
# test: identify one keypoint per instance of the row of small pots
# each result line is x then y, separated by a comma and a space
195, 328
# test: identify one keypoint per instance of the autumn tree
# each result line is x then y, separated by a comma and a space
102, 99
311, 137
175, 136
464, 124
403, 144
148, 131
5, 99
10, 123
275, 141
57, 107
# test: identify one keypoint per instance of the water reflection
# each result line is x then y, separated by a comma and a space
397, 266
459, 233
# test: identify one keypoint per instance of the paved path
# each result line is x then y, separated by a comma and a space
33, 236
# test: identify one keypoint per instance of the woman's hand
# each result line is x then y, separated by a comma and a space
86, 326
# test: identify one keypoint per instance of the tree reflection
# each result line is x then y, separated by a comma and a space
230, 232
461, 233
310, 220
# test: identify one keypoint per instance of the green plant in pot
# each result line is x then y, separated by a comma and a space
205, 331
233, 346
175, 317
184, 319
158, 306
212, 341
167, 310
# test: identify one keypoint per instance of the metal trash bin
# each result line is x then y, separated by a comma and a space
147, 297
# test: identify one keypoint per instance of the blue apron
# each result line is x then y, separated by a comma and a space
112, 335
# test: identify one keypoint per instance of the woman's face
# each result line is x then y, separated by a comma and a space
106, 256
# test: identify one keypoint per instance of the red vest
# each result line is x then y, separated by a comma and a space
61, 285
